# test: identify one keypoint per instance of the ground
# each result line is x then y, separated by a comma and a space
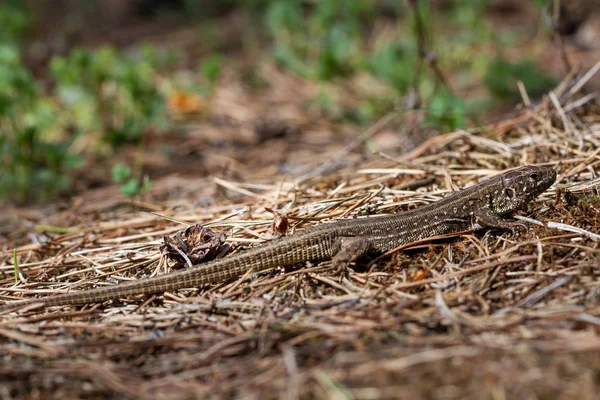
477, 315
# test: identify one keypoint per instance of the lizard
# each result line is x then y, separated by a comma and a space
487, 204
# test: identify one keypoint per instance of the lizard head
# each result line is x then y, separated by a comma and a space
520, 186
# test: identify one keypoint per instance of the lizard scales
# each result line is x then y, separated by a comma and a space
482, 205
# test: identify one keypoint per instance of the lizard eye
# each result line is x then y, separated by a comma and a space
534, 177
510, 193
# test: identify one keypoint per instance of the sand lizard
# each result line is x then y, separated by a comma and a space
484, 205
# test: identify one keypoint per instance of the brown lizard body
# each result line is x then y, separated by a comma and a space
479, 206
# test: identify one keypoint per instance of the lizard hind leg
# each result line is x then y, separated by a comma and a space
350, 249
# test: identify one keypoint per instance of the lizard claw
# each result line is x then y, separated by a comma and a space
340, 271
515, 227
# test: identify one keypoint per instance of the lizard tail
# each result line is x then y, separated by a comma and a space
182, 279
140, 287
215, 271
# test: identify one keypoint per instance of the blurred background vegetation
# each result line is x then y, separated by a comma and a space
82, 82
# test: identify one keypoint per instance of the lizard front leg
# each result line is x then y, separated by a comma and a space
489, 219
350, 249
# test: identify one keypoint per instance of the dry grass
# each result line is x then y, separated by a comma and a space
476, 316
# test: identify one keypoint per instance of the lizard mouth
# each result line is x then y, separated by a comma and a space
546, 179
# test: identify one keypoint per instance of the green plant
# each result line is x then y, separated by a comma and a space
210, 69
326, 104
34, 163
501, 79
370, 109
320, 44
15, 19
446, 111
107, 91
393, 63
468, 13
130, 186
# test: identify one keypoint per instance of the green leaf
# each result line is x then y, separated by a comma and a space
211, 67
15, 19
120, 173
446, 111
130, 188
502, 76
394, 64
